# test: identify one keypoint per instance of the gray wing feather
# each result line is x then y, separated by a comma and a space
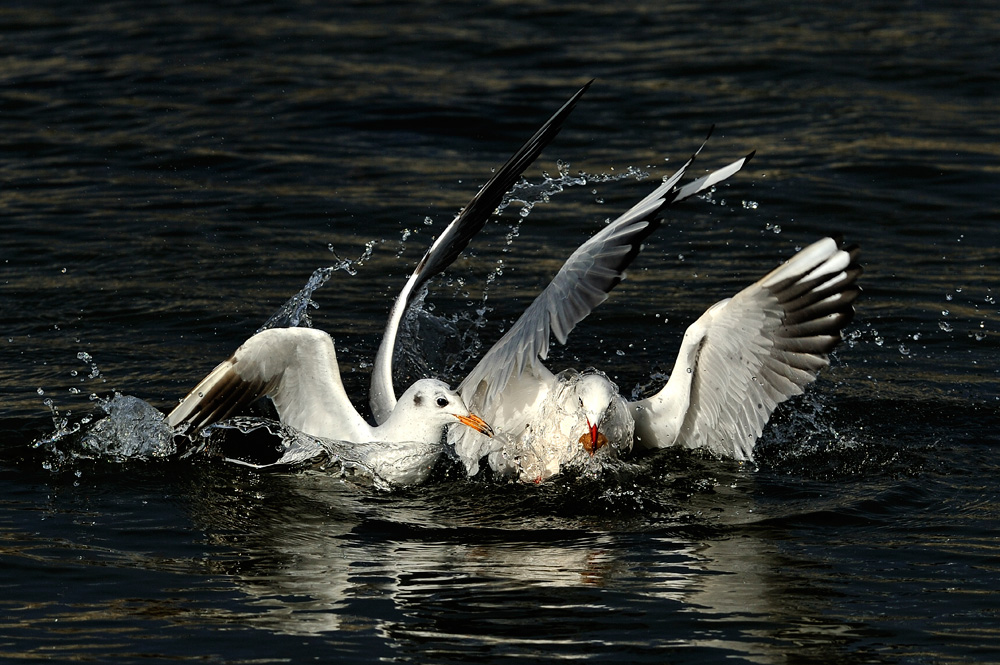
582, 284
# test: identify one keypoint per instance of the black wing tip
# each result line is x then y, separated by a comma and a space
480, 208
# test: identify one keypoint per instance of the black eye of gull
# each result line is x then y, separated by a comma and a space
442, 402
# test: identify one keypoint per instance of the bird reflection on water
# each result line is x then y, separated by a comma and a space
314, 555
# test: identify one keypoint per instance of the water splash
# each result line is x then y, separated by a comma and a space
440, 346
65, 426
131, 429
295, 312
386, 465
528, 194
551, 443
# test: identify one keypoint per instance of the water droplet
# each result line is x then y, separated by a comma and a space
40, 391
945, 312
945, 326
903, 349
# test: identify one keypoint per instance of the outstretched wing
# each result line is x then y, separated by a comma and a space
296, 368
452, 241
582, 284
749, 353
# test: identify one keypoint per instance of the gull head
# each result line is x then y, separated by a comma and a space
595, 393
431, 402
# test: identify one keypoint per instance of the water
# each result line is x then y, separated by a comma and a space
172, 174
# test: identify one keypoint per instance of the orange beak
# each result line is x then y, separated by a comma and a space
476, 423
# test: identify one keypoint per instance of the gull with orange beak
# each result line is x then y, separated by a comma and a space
297, 369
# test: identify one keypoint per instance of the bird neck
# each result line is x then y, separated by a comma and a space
408, 425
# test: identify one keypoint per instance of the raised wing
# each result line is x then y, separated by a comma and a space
749, 353
295, 367
582, 284
452, 241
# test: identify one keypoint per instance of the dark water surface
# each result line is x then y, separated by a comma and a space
171, 173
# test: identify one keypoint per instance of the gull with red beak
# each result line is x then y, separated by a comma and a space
596, 394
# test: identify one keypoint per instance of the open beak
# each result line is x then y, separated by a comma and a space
593, 441
476, 423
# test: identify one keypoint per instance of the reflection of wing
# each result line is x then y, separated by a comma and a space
295, 367
450, 244
582, 284
749, 353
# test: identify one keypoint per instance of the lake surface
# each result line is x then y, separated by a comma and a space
172, 173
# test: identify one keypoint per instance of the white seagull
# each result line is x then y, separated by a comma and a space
297, 367
738, 361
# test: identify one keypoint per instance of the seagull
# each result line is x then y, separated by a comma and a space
297, 367
736, 363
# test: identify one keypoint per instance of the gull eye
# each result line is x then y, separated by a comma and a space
442, 402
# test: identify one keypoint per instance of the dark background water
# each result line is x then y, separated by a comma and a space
170, 173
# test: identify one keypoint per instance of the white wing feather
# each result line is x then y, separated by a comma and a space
747, 354
295, 367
